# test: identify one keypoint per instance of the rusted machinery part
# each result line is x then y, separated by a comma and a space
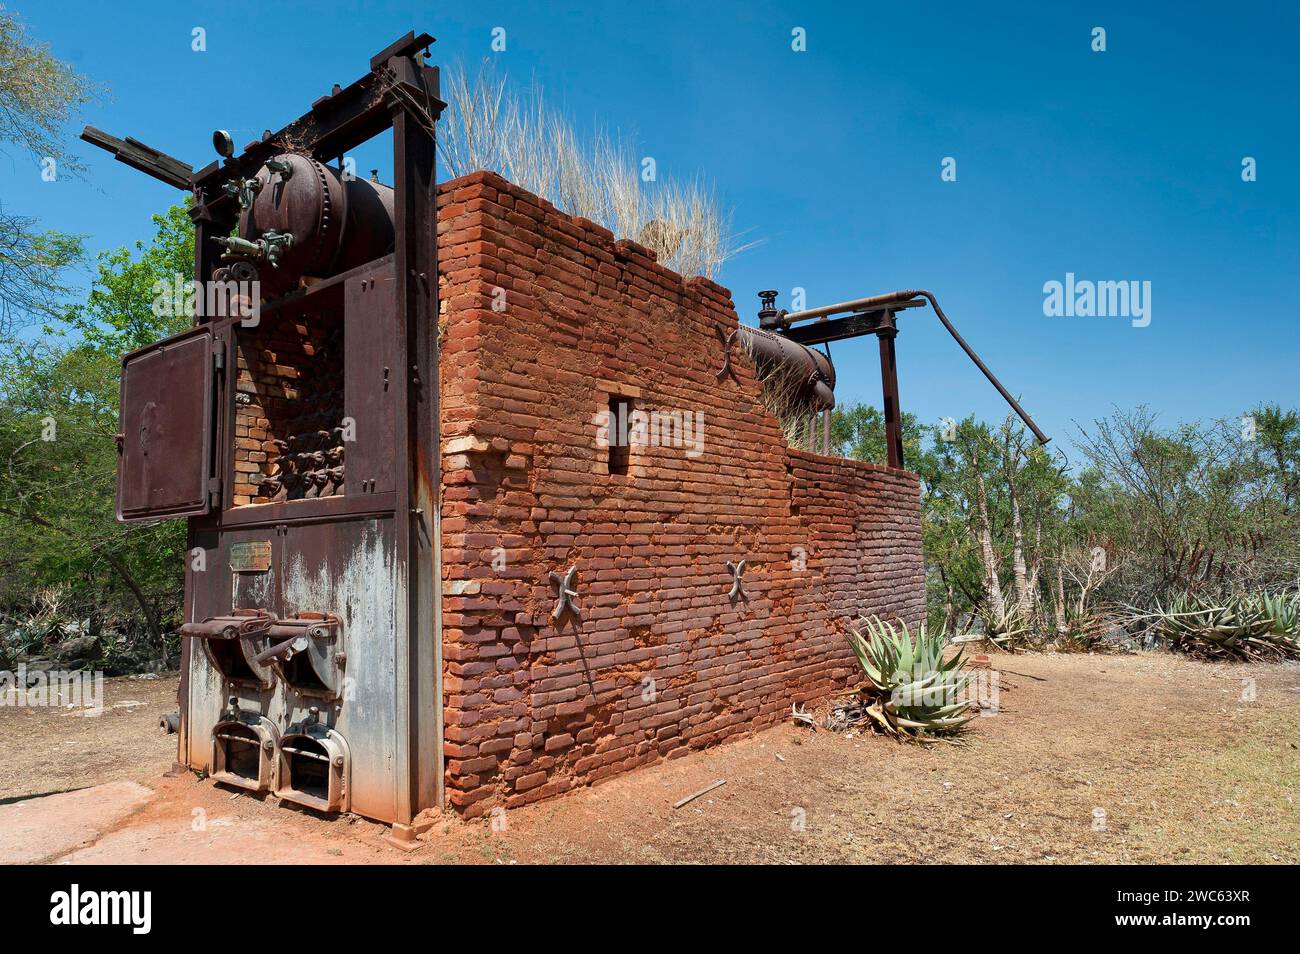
970, 353
857, 304
170, 724
774, 354
876, 301
337, 222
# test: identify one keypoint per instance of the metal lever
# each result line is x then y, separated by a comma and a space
286, 649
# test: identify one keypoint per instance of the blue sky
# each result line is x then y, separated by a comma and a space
1123, 165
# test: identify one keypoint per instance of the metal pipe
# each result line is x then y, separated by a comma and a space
812, 369
877, 301
993, 380
858, 304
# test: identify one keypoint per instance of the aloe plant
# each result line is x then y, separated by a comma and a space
911, 689
1284, 610
1240, 627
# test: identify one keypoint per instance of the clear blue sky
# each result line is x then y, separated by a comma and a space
1122, 165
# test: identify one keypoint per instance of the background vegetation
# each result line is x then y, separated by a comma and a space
68, 570
70, 575
1031, 550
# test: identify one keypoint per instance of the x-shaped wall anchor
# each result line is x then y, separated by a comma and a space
737, 585
567, 594
726, 368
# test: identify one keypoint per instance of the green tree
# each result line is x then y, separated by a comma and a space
38, 96
1276, 441
858, 432
58, 456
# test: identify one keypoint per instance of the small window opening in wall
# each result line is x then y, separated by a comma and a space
620, 424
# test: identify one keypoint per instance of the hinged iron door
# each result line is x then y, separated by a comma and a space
165, 441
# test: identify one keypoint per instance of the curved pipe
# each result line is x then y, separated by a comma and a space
876, 301
812, 368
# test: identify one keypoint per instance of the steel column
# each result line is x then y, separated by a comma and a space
419, 656
889, 385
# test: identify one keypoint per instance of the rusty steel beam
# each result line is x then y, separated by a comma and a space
889, 388
404, 46
339, 121
850, 326
150, 161
419, 674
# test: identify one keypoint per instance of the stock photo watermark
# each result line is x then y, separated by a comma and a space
187, 298
39, 688
1084, 298
625, 426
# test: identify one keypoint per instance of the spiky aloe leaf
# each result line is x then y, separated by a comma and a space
913, 690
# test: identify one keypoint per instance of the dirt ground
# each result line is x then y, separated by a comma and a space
1130, 759
57, 748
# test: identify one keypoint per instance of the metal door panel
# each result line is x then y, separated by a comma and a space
370, 379
165, 426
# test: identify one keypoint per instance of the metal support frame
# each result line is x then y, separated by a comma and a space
875, 316
416, 268
889, 385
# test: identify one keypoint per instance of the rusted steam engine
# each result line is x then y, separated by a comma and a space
298, 433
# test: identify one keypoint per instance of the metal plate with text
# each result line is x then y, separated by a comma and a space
252, 557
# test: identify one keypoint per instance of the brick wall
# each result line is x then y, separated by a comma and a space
544, 318
289, 385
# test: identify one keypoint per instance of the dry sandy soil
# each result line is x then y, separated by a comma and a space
1145, 758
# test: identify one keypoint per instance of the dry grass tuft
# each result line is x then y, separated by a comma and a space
490, 125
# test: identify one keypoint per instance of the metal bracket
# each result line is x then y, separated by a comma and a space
567, 594
737, 585
245, 190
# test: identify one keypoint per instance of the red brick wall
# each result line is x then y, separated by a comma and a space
290, 380
661, 661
